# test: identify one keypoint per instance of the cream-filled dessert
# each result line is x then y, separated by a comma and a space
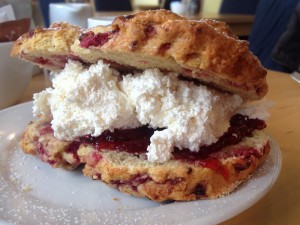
155, 105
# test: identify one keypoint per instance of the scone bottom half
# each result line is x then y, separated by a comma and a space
211, 173
206, 50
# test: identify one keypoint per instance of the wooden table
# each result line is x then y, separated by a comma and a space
240, 24
282, 204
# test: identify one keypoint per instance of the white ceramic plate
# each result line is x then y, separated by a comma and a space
32, 192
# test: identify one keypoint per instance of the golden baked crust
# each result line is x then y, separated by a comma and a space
203, 49
50, 47
209, 178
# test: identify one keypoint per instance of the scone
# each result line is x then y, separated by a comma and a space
155, 105
204, 49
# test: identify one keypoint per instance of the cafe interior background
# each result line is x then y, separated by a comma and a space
272, 29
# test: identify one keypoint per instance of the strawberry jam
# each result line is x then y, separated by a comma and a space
130, 140
136, 140
240, 126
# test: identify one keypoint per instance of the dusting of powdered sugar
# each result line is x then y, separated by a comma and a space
34, 193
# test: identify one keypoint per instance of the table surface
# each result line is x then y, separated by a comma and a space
282, 204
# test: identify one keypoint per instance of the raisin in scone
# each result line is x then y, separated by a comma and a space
155, 105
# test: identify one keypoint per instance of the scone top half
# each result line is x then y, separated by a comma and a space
205, 50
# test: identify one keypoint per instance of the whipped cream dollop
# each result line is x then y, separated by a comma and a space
189, 112
90, 100
85, 101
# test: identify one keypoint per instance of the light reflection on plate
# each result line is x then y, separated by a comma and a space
32, 191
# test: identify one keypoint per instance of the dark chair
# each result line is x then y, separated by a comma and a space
271, 20
44, 6
238, 6
287, 49
113, 5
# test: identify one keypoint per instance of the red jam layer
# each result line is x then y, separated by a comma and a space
137, 140
240, 126
130, 140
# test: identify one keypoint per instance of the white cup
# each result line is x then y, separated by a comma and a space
73, 13
178, 8
103, 21
15, 76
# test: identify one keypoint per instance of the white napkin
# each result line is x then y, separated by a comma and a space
6, 13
